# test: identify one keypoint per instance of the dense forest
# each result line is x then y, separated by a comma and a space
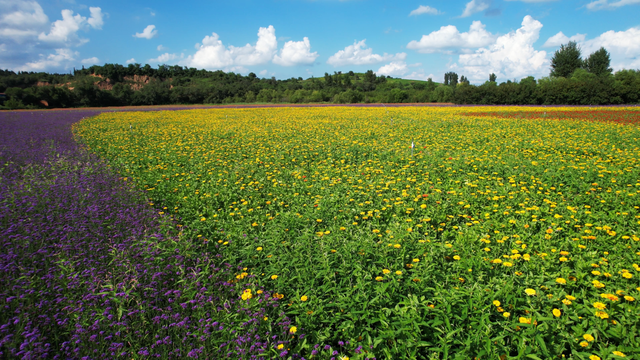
572, 81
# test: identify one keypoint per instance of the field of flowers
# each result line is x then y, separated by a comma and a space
407, 232
428, 233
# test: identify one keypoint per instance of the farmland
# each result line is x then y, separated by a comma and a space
410, 232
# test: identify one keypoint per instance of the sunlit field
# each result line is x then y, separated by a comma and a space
399, 233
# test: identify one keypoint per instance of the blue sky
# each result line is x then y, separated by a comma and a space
299, 38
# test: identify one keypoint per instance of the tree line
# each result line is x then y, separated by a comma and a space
572, 81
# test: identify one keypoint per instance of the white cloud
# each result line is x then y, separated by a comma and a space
296, 53
95, 21
148, 32
422, 9
359, 54
511, 56
623, 46
418, 75
605, 4
161, 48
27, 38
164, 58
90, 61
533, 1
561, 39
401, 69
475, 6
263, 72
61, 58
65, 32
130, 61
212, 54
21, 20
393, 69
448, 37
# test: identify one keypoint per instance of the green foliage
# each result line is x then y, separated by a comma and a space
598, 63
566, 60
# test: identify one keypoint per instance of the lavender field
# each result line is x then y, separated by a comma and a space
89, 271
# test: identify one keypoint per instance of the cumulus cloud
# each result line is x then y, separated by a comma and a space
65, 31
130, 61
90, 61
606, 5
623, 46
359, 54
21, 20
296, 53
212, 54
422, 9
475, 6
161, 48
448, 38
561, 39
402, 70
393, 69
62, 58
95, 21
28, 41
511, 56
164, 58
148, 33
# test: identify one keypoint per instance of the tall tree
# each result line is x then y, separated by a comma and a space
493, 77
598, 63
566, 60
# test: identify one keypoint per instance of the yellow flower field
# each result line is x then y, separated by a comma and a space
412, 232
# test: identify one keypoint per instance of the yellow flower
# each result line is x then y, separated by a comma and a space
496, 302
273, 277
280, 346
456, 257
602, 315
379, 278
398, 272
397, 246
570, 297
588, 337
507, 264
293, 330
619, 353
304, 298
416, 260
596, 272
566, 301
524, 320
594, 357
627, 275
599, 306
530, 292
556, 312
386, 271
561, 281
584, 344
610, 297
259, 248
506, 314
629, 298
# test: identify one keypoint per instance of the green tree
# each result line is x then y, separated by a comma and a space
598, 63
566, 60
493, 77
